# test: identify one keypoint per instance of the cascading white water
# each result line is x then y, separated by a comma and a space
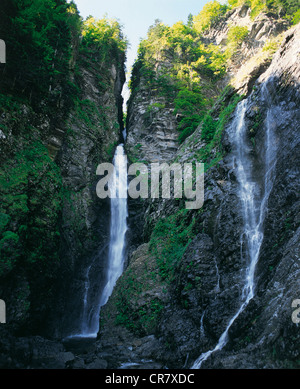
253, 206
118, 227
116, 254
84, 327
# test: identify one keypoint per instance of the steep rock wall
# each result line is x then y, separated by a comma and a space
52, 222
191, 311
94, 130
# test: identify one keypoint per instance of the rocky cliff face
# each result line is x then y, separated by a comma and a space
185, 274
152, 134
52, 223
261, 28
94, 130
172, 319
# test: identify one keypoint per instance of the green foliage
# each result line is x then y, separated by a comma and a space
187, 100
209, 127
138, 314
41, 84
296, 17
257, 6
211, 13
212, 131
169, 240
104, 34
30, 203
235, 3
272, 45
43, 38
38, 39
191, 105
287, 8
236, 36
143, 321
185, 62
4, 220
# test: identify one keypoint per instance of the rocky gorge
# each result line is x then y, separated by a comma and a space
185, 270
191, 310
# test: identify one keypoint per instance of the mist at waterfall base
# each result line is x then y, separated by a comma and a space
253, 203
116, 253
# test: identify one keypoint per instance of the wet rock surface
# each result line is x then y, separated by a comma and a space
185, 317
207, 289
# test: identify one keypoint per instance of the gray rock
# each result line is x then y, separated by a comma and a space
194, 317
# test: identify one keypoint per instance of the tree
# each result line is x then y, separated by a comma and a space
210, 13
190, 21
38, 39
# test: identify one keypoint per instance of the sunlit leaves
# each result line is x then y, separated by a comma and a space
210, 13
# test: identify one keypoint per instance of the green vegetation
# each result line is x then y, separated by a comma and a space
188, 71
137, 300
210, 14
211, 132
31, 193
272, 45
296, 17
104, 34
236, 36
188, 62
191, 105
42, 39
175, 64
41, 85
143, 321
209, 127
172, 235
38, 39
169, 240
286, 8
257, 6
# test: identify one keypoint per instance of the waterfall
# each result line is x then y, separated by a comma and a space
116, 253
118, 226
253, 201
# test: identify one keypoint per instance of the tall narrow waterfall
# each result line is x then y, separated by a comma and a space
253, 201
118, 226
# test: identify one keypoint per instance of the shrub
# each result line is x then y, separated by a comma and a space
105, 34
211, 12
296, 17
169, 240
191, 105
209, 127
38, 38
236, 36
31, 194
